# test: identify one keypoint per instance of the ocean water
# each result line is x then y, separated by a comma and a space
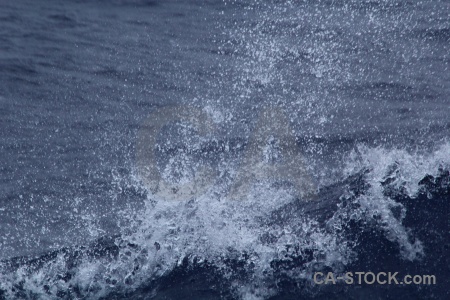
223, 149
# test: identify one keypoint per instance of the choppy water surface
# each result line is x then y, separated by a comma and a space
223, 149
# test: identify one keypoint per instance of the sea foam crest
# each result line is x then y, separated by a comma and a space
403, 170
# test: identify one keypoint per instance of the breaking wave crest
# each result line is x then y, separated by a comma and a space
257, 247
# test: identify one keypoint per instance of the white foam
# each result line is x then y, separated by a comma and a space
215, 228
405, 169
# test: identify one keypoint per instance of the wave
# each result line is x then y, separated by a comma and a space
389, 212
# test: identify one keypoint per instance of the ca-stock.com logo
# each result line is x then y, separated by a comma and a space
173, 142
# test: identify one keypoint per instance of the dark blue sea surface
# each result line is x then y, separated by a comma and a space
223, 149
